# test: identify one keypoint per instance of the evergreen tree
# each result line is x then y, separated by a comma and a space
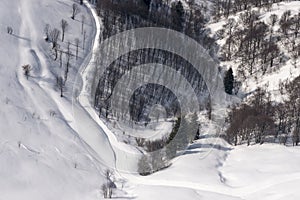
147, 2
228, 81
197, 136
177, 12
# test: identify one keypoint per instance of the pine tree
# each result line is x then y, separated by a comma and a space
228, 81
177, 12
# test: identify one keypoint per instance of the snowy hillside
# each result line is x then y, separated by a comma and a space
55, 146
41, 155
287, 69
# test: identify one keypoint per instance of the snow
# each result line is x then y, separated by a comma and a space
39, 144
58, 148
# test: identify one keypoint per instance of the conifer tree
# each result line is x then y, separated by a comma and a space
228, 81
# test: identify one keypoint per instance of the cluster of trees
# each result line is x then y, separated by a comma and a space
262, 120
148, 95
160, 152
109, 186
251, 122
254, 44
54, 35
290, 110
290, 29
124, 15
228, 7
248, 44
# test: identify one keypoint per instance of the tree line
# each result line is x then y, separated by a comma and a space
124, 15
261, 120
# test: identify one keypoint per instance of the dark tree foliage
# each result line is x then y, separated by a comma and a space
147, 2
177, 12
229, 81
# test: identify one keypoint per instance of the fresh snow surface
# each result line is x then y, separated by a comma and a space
57, 148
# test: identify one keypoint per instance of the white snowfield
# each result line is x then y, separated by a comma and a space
58, 148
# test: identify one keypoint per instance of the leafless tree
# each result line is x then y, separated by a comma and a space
9, 30
60, 58
104, 190
56, 49
61, 85
26, 69
53, 37
68, 59
108, 187
84, 38
64, 26
77, 42
47, 31
75, 10
82, 23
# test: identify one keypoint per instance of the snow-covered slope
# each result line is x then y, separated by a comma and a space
41, 154
276, 75
57, 148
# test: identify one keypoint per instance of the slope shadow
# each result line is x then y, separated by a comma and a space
207, 146
120, 197
20, 37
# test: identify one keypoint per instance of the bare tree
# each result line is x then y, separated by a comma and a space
26, 69
75, 10
9, 30
108, 187
104, 190
60, 58
77, 42
64, 26
47, 31
56, 49
68, 58
53, 37
84, 38
82, 23
61, 85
